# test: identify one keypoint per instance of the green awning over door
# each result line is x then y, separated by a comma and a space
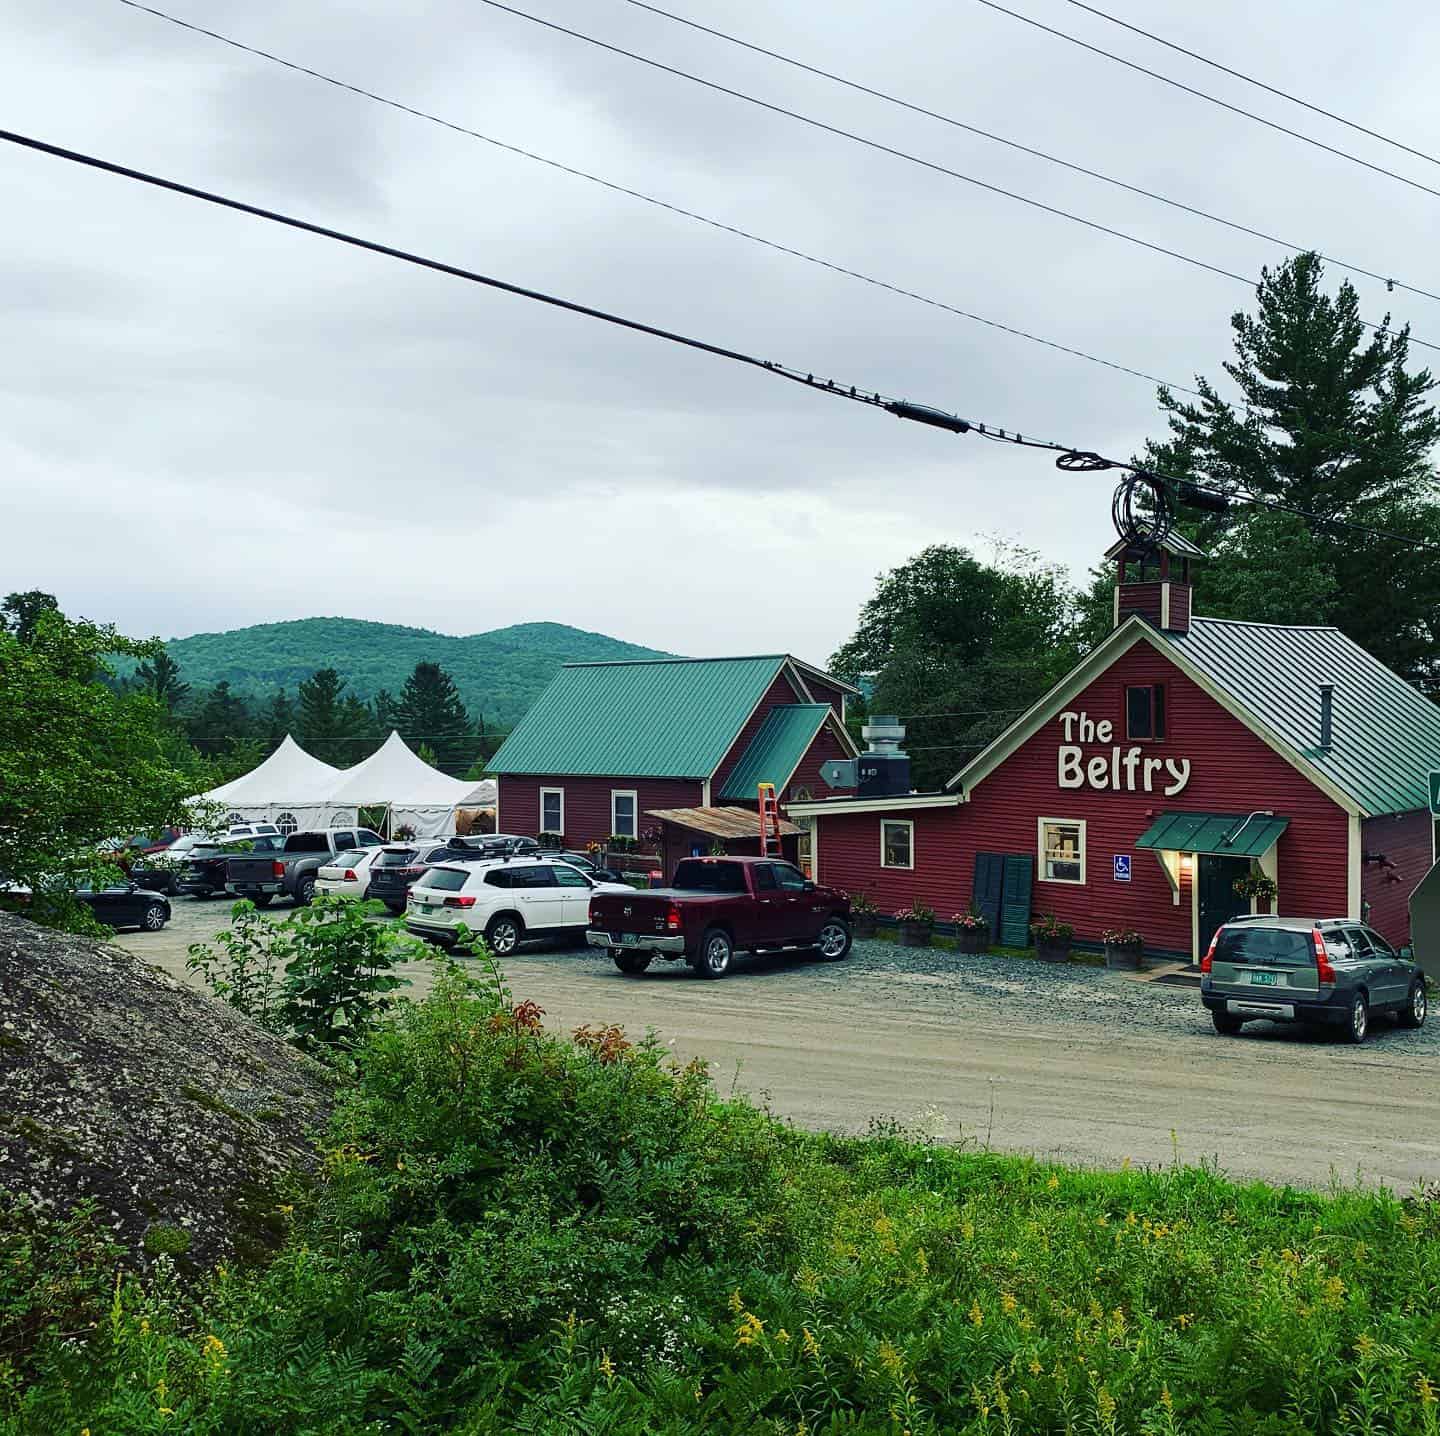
1231, 834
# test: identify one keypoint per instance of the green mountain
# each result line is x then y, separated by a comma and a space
499, 674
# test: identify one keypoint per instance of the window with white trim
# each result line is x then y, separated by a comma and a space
552, 810
897, 843
1062, 850
623, 812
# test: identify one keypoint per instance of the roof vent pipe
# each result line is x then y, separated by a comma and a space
1327, 717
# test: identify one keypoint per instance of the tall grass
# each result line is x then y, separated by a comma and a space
515, 1231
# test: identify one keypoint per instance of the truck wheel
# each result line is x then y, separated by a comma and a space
833, 940
1357, 1029
305, 891
263, 899
632, 964
503, 934
716, 950
1416, 1007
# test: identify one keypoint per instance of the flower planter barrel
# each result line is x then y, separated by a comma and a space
1123, 959
973, 940
862, 925
915, 934
1053, 951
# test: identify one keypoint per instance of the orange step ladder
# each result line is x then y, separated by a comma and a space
769, 822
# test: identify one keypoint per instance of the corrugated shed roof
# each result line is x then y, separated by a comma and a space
672, 718
1386, 733
776, 750
720, 822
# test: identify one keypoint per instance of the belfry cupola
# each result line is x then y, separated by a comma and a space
1153, 580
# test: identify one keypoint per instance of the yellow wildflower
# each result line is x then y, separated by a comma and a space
967, 1230
977, 1317
1053, 1184
808, 1344
1035, 1367
1008, 1302
1106, 1403
1364, 1345
1184, 1319
144, 1326
1425, 1390
607, 1367
1165, 1398
750, 1327
783, 1337
890, 1359
737, 1305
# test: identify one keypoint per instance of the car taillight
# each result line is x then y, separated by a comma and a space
459, 902
1208, 960
349, 875
592, 915
277, 868
672, 918
1322, 960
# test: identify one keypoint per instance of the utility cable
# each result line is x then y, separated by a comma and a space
894, 153
1075, 168
1213, 99
1070, 459
1251, 80
616, 188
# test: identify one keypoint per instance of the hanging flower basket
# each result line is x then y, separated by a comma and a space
1257, 887
1124, 949
917, 925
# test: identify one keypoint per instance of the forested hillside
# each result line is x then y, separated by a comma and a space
499, 674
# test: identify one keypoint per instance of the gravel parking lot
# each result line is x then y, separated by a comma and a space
1069, 1062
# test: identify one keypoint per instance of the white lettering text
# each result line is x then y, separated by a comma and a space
1071, 775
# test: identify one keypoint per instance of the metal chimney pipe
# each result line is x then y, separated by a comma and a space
1327, 717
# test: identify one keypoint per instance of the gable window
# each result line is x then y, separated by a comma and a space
622, 813
897, 843
1145, 711
552, 810
1062, 850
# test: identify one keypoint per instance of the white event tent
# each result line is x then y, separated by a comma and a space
289, 784
300, 792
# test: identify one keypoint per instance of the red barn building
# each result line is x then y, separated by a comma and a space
1182, 753
608, 743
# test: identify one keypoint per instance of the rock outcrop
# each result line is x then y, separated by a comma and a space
180, 1119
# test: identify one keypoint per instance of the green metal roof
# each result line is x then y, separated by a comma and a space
1386, 732
659, 718
776, 750
1234, 834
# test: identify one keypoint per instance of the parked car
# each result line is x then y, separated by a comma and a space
293, 869
347, 874
1331, 971
204, 873
496, 845
716, 907
126, 905
252, 830
510, 900
400, 866
587, 865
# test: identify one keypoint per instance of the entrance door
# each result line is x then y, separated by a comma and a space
1215, 892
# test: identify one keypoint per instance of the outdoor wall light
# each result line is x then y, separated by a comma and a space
1187, 864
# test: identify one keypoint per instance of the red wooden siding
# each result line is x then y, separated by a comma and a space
587, 803
780, 691
1232, 771
1141, 598
1180, 594
823, 692
1403, 841
825, 746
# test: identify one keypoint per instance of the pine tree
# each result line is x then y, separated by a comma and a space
320, 715
1333, 421
430, 711
278, 718
160, 678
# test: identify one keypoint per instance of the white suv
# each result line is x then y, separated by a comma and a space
508, 901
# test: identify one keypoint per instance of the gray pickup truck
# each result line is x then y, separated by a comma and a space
262, 877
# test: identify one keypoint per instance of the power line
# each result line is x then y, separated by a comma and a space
1070, 458
659, 203
890, 150
1213, 99
1251, 80
1013, 144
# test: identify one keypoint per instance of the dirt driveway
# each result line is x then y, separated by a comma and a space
1072, 1063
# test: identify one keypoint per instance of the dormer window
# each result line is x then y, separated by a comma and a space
1145, 712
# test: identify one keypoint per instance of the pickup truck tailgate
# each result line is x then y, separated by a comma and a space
637, 912
254, 872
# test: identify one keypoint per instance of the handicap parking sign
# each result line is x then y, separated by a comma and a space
1122, 867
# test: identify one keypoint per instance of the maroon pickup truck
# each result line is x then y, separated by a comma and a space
716, 907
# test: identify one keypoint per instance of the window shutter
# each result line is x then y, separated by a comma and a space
1014, 928
989, 885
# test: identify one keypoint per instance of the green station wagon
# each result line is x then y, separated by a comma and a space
1320, 970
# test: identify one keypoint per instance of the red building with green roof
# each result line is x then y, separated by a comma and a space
1181, 754
608, 743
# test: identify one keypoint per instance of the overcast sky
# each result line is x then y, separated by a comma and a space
208, 421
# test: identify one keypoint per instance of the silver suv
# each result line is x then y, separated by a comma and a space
1320, 970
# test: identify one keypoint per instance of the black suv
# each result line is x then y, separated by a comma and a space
1321, 970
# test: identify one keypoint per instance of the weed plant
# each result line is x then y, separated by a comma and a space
517, 1231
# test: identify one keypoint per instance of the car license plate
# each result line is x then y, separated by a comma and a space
1264, 979
623, 939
